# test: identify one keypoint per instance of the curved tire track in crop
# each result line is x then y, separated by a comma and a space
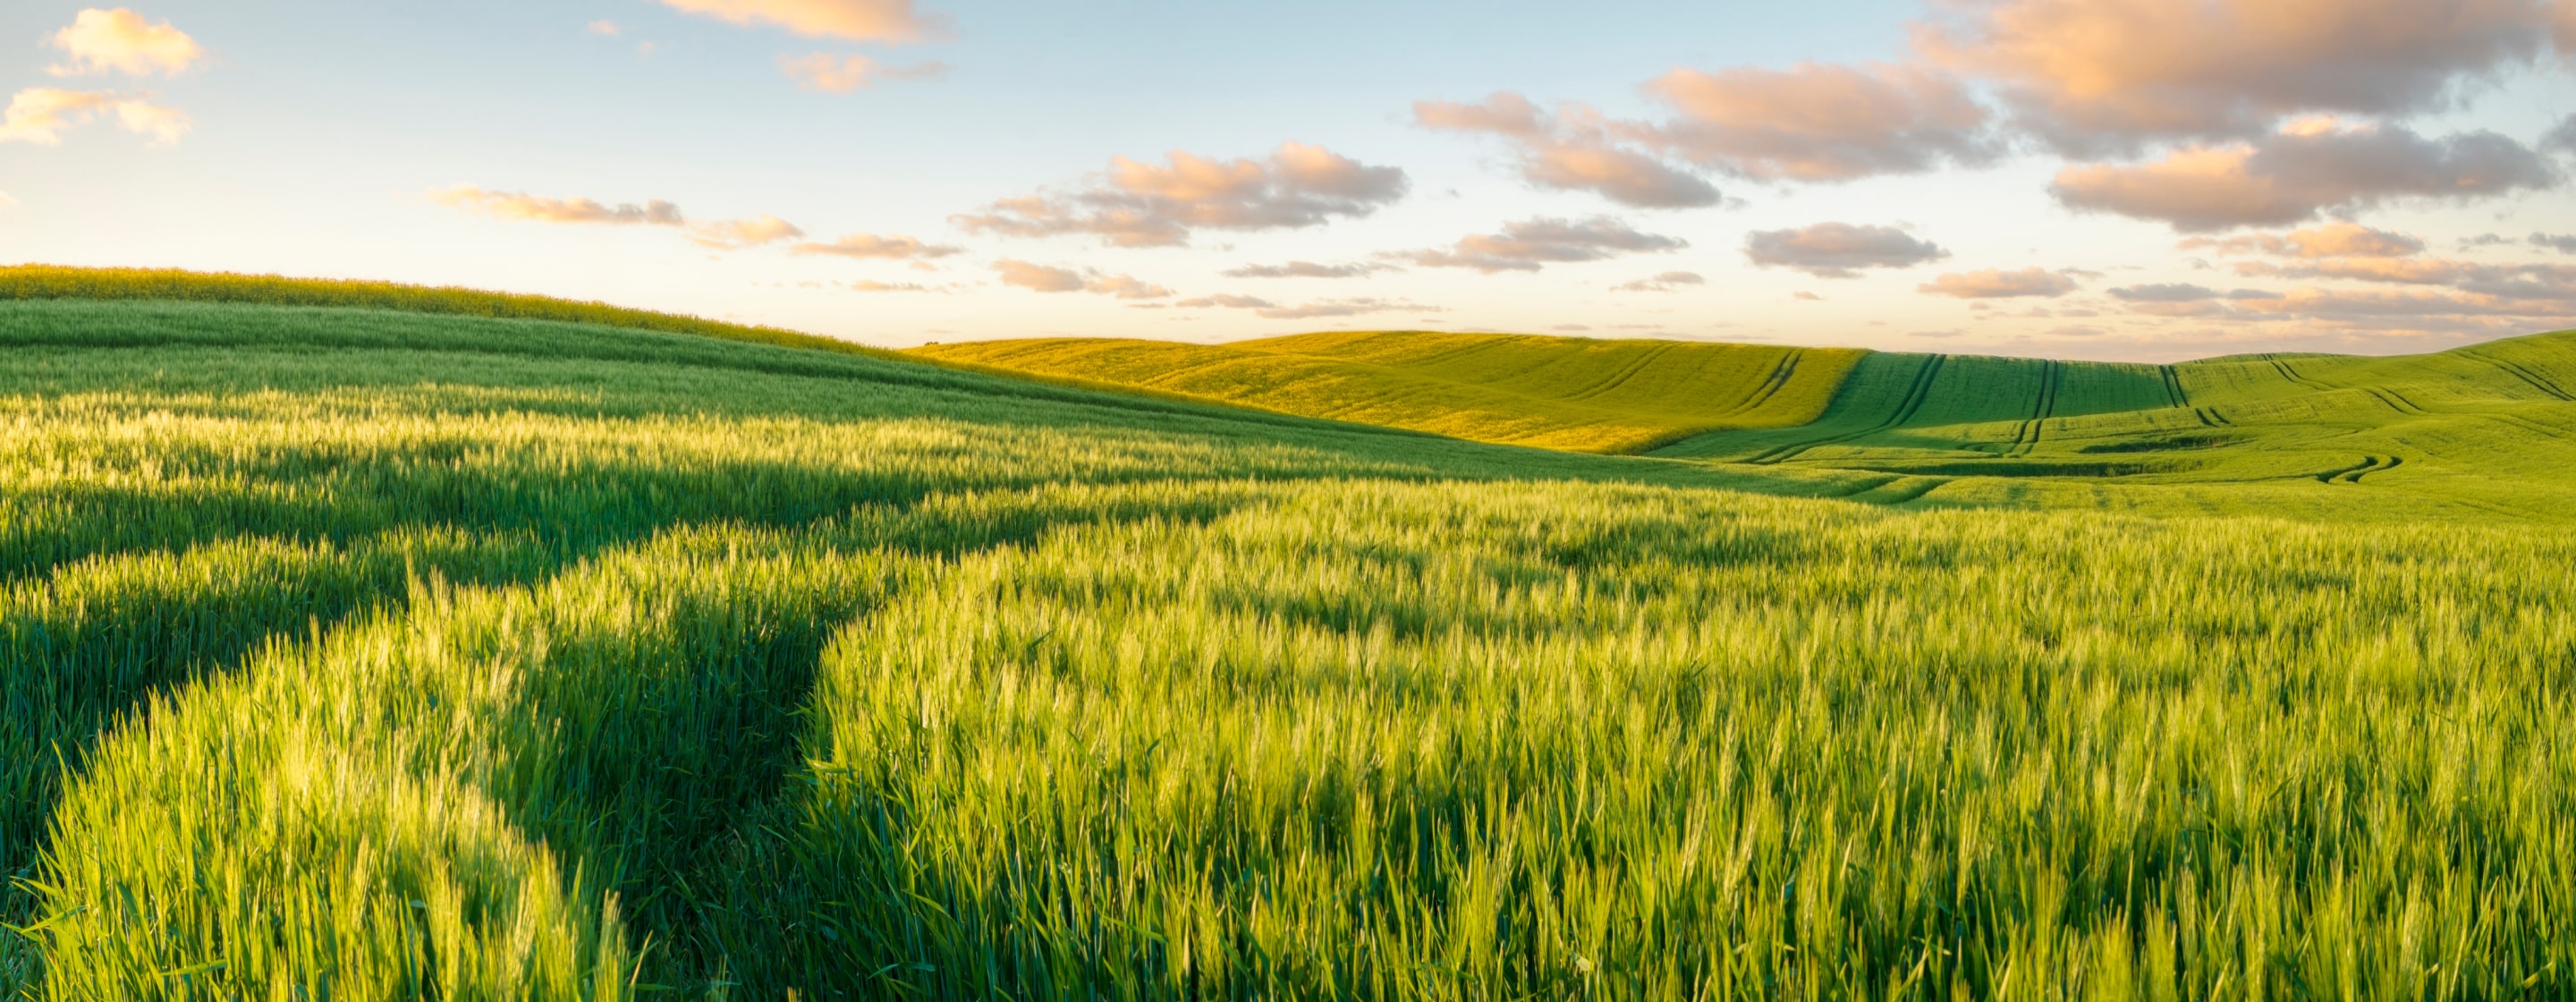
1915, 395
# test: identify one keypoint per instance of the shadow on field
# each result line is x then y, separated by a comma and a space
702, 731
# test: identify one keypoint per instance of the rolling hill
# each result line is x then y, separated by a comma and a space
398, 653
1576, 394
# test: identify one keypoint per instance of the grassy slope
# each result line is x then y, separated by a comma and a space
2471, 432
1561, 393
505, 659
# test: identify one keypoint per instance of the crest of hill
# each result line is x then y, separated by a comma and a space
42, 281
1576, 394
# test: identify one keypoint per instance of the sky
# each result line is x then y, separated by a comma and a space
2118, 179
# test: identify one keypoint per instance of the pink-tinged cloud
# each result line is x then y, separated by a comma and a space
2107, 77
872, 285
2554, 282
1039, 277
737, 234
1533, 244
1996, 283
851, 20
1226, 301
1671, 281
122, 41
2302, 171
1819, 122
1327, 308
1044, 278
871, 247
1140, 204
1573, 149
39, 115
1839, 250
1309, 269
2340, 238
2177, 292
514, 206
831, 74
1317, 309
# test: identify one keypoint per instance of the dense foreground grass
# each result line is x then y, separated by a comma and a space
1554, 392
365, 655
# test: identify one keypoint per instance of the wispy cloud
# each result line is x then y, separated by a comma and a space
520, 207
1996, 283
1821, 122
39, 115
1309, 269
1140, 204
841, 74
1047, 278
1670, 281
1572, 149
2341, 238
871, 247
2303, 170
1314, 310
736, 234
1839, 250
122, 41
512, 206
1533, 244
851, 20
2110, 77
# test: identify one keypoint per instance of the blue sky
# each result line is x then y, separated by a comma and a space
1890, 175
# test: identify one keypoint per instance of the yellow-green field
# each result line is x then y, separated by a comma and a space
1577, 394
384, 654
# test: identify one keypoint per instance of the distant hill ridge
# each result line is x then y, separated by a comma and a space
1576, 394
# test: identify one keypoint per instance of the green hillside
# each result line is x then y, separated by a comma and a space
2485, 429
1578, 394
385, 654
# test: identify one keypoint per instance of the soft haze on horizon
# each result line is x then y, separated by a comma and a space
2121, 179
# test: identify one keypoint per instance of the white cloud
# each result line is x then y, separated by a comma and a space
121, 41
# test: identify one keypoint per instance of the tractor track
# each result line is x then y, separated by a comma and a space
2524, 373
1771, 386
1621, 377
2293, 376
1915, 396
2026, 438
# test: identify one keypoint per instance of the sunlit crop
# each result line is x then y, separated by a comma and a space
362, 653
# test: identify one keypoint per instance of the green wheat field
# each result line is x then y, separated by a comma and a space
366, 642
